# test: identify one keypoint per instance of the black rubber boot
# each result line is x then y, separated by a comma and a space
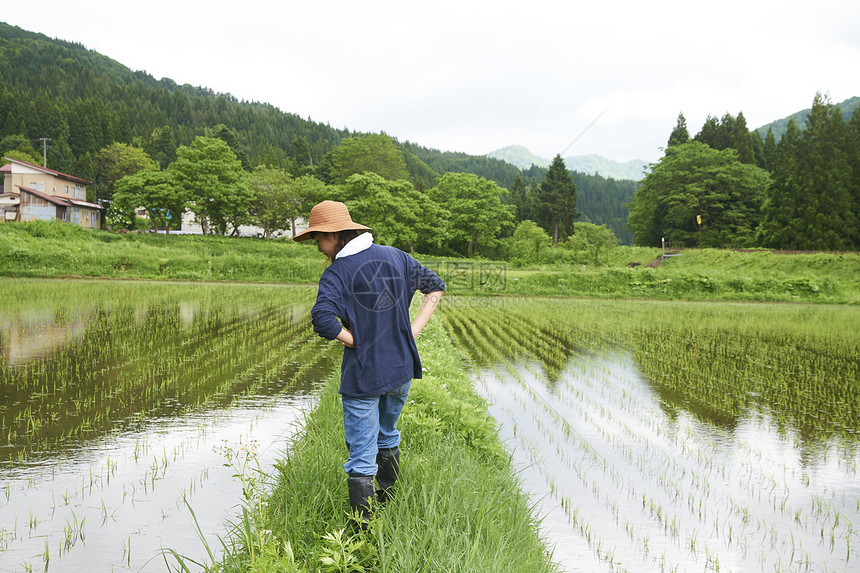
360, 499
388, 467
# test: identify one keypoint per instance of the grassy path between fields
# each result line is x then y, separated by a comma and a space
458, 506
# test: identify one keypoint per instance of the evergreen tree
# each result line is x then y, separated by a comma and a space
739, 139
301, 162
518, 196
757, 144
161, 146
231, 138
852, 151
270, 158
85, 167
84, 129
768, 154
555, 203
812, 203
709, 134
680, 134
781, 225
602, 201
530, 206
826, 179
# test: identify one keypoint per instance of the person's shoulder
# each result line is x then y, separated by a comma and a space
386, 251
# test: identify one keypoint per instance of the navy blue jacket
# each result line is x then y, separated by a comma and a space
369, 292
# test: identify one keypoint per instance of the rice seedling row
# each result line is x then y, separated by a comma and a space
111, 406
688, 474
156, 369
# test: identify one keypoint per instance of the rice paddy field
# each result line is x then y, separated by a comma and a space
657, 436
127, 407
651, 436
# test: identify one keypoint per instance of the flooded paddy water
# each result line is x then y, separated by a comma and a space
678, 436
651, 436
121, 403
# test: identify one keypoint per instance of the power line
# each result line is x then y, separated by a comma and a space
586, 129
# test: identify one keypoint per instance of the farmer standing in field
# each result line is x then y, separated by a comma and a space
363, 301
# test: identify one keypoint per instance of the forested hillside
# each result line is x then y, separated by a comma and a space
83, 101
726, 186
779, 126
85, 104
601, 200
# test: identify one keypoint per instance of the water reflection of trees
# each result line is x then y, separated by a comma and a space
722, 377
32, 334
72, 376
719, 368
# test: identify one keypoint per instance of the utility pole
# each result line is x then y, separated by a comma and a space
44, 141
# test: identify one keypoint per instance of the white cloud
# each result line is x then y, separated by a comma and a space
474, 76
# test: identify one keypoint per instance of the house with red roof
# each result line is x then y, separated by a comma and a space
32, 192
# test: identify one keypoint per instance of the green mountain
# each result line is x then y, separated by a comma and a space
519, 156
83, 101
779, 126
589, 164
633, 170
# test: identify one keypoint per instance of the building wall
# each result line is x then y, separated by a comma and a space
8, 207
88, 218
34, 208
27, 177
190, 226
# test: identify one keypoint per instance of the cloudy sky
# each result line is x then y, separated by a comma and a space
475, 76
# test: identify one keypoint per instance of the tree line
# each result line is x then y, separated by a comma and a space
462, 214
84, 102
727, 186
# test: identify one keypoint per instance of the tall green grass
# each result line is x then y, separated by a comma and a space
42, 249
456, 507
708, 275
51, 249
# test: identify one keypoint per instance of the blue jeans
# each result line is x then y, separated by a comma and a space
370, 425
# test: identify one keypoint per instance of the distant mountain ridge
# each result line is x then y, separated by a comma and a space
592, 164
779, 126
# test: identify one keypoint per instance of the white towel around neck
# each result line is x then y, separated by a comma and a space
358, 244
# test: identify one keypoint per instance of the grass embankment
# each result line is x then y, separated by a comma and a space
456, 507
41, 249
709, 274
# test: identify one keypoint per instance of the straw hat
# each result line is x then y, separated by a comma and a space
329, 217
